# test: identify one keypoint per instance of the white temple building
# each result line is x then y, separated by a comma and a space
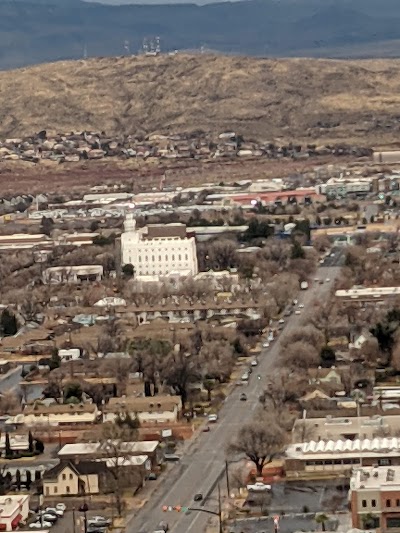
158, 249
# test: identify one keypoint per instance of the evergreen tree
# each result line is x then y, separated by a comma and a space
18, 479
30, 438
8, 449
8, 323
28, 479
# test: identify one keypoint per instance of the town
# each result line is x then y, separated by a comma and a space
222, 356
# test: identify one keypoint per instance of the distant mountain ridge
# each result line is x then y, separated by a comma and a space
35, 31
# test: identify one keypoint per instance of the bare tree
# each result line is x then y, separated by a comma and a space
309, 334
301, 355
260, 441
282, 388
8, 402
216, 360
180, 368
322, 243
115, 442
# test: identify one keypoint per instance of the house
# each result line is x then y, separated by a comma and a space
14, 509
56, 415
325, 375
72, 274
316, 394
148, 410
73, 479
375, 498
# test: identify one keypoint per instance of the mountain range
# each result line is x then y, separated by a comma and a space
36, 31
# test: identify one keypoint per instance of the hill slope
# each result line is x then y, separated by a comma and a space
292, 98
35, 31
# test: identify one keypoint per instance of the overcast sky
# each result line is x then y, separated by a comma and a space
120, 2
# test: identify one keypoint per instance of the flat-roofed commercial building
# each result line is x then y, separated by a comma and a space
341, 456
375, 498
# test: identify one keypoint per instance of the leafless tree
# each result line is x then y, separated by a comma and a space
283, 387
115, 446
9, 402
216, 360
260, 441
301, 355
308, 334
322, 243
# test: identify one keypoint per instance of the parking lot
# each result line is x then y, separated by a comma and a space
266, 525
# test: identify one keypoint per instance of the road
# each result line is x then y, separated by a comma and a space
201, 468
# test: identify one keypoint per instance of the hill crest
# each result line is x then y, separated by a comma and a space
295, 99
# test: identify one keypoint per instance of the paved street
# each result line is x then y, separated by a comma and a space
203, 465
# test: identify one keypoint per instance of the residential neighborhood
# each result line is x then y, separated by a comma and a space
201, 358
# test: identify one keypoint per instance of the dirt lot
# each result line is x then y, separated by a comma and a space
47, 176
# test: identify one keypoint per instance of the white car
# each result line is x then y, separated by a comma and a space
301, 306
259, 487
254, 362
281, 321
39, 525
265, 344
101, 519
55, 511
297, 312
212, 418
328, 280
61, 507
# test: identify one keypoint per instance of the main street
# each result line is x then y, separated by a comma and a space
203, 465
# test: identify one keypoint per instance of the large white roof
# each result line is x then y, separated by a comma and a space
344, 448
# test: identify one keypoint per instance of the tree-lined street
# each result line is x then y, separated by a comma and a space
201, 468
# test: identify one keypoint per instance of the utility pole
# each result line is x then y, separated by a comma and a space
228, 488
219, 509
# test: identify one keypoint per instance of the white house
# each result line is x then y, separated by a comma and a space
158, 249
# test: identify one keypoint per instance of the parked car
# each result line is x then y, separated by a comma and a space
49, 517
206, 429
198, 497
61, 507
245, 377
171, 457
254, 362
40, 525
243, 397
281, 321
152, 476
212, 418
297, 312
301, 306
99, 520
259, 486
265, 344
55, 511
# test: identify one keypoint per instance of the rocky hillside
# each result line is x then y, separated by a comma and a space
291, 99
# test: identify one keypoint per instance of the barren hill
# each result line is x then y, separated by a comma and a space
303, 99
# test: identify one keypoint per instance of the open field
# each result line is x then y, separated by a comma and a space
307, 100
21, 177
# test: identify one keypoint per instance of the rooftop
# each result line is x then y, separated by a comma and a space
9, 504
91, 448
144, 404
376, 478
344, 449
